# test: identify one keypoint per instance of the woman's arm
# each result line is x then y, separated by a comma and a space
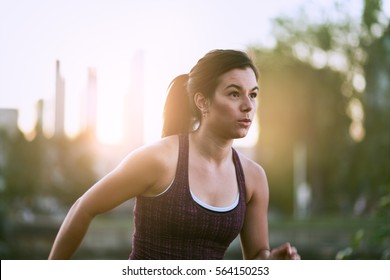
138, 173
254, 235
71, 233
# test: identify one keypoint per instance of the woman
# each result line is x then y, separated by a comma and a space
194, 192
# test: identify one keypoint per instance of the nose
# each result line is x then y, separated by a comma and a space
247, 104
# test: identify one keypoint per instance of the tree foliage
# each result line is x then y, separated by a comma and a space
58, 167
323, 85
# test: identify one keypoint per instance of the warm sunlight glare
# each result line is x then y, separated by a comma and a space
356, 113
110, 121
27, 119
112, 86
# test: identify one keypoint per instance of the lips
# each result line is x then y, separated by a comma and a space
245, 122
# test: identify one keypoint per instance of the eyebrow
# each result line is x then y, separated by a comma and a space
239, 87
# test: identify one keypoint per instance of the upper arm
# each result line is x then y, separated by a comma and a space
254, 234
136, 174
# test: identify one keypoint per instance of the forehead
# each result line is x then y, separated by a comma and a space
244, 78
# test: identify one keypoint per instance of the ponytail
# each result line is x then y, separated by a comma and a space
177, 110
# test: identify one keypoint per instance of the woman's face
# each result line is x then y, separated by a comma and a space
233, 106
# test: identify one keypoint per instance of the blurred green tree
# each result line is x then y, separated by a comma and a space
375, 148
322, 88
372, 165
301, 105
72, 167
22, 168
57, 167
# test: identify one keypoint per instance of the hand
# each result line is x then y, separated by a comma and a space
284, 252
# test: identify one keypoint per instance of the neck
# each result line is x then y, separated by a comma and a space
210, 146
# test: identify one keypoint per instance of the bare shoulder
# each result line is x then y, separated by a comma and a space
251, 168
156, 161
255, 176
158, 150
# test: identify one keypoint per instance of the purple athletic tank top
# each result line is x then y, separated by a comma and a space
174, 226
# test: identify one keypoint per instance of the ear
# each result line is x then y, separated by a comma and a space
201, 102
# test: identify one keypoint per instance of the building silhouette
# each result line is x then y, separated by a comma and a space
89, 104
134, 104
59, 122
9, 121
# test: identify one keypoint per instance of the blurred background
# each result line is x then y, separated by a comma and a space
83, 83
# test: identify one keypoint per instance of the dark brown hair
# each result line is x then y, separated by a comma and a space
180, 113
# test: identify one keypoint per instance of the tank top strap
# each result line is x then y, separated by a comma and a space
182, 164
240, 175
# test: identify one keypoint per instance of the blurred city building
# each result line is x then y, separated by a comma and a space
89, 104
59, 127
134, 104
9, 121
9, 130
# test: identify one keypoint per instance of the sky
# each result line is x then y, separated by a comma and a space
106, 34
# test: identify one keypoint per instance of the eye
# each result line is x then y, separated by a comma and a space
234, 94
253, 95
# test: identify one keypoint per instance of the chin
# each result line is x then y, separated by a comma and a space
240, 137
240, 134
235, 134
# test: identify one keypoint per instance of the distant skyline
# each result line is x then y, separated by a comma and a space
105, 35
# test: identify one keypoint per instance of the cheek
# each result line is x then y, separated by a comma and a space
223, 110
254, 107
